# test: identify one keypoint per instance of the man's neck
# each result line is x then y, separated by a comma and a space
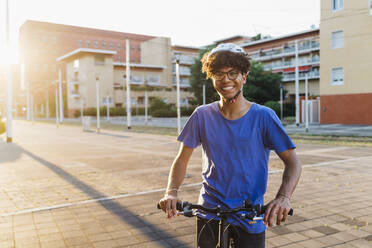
234, 110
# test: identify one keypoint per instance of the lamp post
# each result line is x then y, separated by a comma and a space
9, 127
297, 86
129, 109
60, 96
178, 96
281, 102
57, 114
108, 107
97, 100
146, 102
306, 104
203, 93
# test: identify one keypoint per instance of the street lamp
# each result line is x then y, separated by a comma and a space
178, 95
97, 100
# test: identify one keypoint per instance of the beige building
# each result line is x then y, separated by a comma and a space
186, 57
84, 66
278, 55
346, 52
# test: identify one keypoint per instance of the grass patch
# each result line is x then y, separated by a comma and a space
333, 140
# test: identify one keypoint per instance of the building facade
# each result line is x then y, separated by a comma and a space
82, 53
278, 55
346, 52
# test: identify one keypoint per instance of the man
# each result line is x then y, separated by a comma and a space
236, 136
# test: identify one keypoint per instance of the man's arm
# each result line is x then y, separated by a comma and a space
281, 205
176, 176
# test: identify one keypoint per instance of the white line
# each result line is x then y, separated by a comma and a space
158, 190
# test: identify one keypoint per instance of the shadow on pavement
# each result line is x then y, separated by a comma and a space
115, 208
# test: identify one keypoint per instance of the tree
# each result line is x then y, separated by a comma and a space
198, 79
262, 86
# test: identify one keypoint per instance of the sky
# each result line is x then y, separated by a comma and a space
187, 22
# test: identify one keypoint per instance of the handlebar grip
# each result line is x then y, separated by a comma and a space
263, 210
179, 206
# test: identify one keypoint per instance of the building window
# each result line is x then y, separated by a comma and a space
76, 64
337, 76
88, 42
96, 44
80, 42
103, 44
111, 46
337, 39
119, 47
54, 40
119, 58
132, 47
337, 5
133, 60
370, 7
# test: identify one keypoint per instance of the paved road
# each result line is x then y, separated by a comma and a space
67, 188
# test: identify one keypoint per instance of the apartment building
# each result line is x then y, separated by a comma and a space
86, 66
346, 52
81, 53
236, 39
278, 55
186, 56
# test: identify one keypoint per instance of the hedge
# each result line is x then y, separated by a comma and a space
168, 111
2, 127
274, 106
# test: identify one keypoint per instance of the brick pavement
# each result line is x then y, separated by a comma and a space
333, 202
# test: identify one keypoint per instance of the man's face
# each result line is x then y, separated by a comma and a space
228, 81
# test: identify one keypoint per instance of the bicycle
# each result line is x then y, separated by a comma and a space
249, 211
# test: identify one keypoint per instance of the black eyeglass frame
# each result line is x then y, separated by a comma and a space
215, 75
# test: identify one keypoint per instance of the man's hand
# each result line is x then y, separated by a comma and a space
168, 205
279, 208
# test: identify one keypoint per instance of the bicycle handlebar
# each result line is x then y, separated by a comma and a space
257, 210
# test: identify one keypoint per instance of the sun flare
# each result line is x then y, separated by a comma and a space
8, 56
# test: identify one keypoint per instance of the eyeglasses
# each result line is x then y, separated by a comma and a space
232, 75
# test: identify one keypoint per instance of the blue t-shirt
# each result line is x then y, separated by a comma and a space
235, 156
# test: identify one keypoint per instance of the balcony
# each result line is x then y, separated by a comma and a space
301, 76
183, 84
286, 51
288, 64
186, 60
74, 94
183, 73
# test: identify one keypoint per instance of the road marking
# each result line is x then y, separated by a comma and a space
159, 190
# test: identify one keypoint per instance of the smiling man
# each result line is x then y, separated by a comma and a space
237, 136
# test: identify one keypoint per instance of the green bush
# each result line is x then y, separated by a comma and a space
274, 106
187, 111
159, 104
289, 109
102, 112
164, 113
2, 127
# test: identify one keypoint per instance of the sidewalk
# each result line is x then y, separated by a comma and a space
61, 187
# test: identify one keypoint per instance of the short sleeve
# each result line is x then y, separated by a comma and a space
275, 137
190, 134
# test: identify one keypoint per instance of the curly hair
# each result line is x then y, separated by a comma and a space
213, 63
